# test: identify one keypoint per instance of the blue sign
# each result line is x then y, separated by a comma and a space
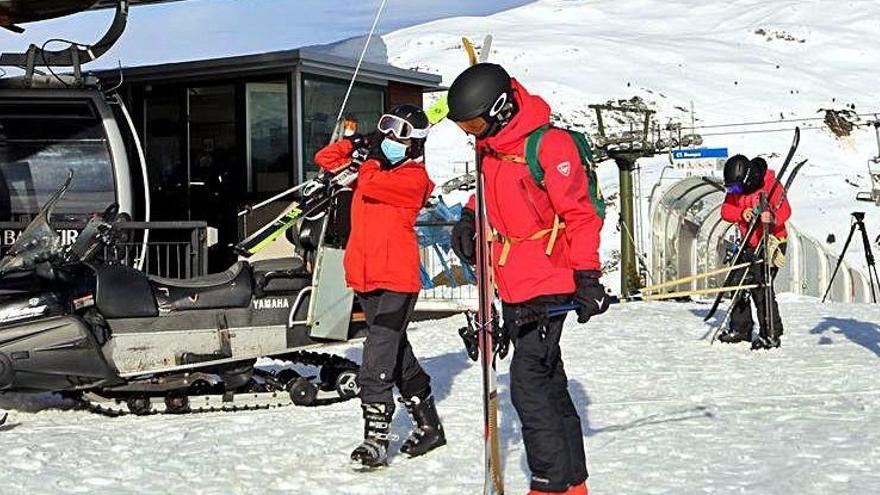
699, 153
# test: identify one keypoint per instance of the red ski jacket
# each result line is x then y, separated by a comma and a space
735, 204
383, 249
523, 213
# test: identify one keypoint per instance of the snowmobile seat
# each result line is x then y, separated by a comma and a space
123, 292
230, 289
281, 275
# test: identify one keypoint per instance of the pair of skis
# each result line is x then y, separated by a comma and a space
483, 323
743, 244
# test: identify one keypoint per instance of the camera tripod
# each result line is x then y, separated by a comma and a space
858, 223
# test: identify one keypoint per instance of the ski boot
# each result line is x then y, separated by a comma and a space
372, 453
731, 336
766, 342
428, 434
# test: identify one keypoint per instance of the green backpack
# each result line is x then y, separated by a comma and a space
533, 145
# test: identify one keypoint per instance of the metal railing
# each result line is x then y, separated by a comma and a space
447, 283
175, 249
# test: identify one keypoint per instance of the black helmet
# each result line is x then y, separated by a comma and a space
744, 176
407, 122
759, 170
483, 90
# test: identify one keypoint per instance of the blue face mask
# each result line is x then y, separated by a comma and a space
395, 152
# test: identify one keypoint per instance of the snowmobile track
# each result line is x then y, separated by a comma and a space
277, 393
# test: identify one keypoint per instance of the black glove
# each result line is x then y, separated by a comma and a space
589, 294
464, 234
360, 148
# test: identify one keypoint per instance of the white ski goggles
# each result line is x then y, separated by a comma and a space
392, 124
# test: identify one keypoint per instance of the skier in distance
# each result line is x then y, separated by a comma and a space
746, 180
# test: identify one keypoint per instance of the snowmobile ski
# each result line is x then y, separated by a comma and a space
754, 223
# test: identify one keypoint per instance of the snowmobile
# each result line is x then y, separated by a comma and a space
122, 342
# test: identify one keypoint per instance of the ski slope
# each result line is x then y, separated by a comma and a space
663, 413
814, 55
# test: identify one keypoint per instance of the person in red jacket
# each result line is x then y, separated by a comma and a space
382, 266
747, 181
546, 252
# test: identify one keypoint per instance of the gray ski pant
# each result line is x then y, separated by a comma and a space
388, 359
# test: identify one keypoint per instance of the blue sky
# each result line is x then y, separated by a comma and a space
213, 28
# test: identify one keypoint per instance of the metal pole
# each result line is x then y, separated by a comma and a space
852, 231
629, 278
360, 62
869, 257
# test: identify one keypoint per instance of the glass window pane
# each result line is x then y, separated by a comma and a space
269, 159
166, 162
37, 147
321, 101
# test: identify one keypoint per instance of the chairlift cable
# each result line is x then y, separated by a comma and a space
359, 63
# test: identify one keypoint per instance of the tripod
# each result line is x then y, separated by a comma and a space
858, 223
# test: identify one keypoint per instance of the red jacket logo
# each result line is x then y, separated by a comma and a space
564, 168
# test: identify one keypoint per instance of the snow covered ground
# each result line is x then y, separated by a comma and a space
663, 412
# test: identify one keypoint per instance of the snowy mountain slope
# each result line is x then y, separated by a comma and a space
738, 61
663, 412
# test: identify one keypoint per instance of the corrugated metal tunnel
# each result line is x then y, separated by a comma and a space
689, 237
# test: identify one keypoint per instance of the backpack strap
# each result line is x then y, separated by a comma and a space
503, 156
533, 146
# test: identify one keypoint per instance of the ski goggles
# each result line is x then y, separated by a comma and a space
735, 188
401, 128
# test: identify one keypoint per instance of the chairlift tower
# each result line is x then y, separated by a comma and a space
625, 148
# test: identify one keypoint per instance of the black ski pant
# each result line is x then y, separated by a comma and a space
388, 358
741, 314
551, 427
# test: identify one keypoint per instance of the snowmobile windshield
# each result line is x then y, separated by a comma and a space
39, 242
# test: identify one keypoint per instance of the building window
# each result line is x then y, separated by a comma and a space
165, 109
270, 165
322, 99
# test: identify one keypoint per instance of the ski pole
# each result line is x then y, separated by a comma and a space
554, 311
562, 309
357, 68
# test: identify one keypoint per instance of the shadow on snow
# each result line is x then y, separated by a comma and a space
863, 333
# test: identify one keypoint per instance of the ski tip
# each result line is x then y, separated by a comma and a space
439, 110
3, 418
